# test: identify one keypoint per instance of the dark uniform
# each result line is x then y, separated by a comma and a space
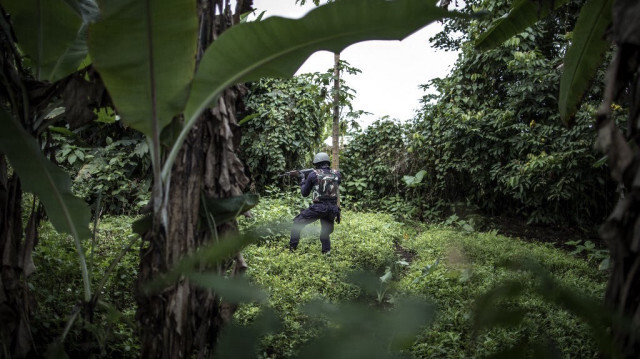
323, 183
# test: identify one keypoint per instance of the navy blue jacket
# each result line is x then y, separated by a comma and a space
307, 185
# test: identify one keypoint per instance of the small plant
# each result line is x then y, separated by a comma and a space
384, 291
457, 222
593, 254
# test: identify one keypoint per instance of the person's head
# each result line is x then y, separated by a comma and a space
321, 159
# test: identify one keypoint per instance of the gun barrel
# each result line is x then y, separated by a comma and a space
305, 172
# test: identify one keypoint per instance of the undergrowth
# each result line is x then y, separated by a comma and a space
448, 266
57, 287
452, 268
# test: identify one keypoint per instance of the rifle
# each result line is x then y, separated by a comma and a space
295, 173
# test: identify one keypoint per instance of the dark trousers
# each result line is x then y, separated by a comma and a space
326, 213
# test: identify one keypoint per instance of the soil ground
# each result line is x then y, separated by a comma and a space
558, 235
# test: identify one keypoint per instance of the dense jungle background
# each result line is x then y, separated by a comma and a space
144, 211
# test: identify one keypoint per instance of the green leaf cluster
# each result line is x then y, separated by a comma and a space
374, 163
57, 287
286, 126
489, 135
461, 270
117, 171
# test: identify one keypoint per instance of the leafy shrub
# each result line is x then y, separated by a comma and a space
455, 268
283, 126
57, 285
373, 165
489, 135
118, 173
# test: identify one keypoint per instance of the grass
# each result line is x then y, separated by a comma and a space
469, 265
450, 268
57, 288
328, 306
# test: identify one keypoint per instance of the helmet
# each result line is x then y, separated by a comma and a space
320, 157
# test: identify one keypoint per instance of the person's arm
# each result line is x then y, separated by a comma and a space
307, 184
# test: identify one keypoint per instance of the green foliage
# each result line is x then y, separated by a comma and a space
356, 330
58, 289
320, 298
414, 181
583, 57
276, 47
494, 137
361, 241
374, 164
145, 56
523, 14
116, 170
286, 127
455, 268
451, 267
600, 256
69, 214
490, 138
48, 33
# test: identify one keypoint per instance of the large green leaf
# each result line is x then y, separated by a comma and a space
234, 289
585, 54
225, 209
523, 14
358, 330
210, 254
276, 47
87, 9
38, 175
47, 31
145, 53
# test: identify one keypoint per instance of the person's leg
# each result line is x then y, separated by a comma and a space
305, 217
326, 228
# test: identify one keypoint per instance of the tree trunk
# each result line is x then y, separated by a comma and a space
336, 113
184, 320
621, 230
15, 299
16, 245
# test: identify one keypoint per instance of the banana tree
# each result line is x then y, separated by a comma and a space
53, 36
172, 69
147, 55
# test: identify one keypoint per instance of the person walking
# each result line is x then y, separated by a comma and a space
322, 183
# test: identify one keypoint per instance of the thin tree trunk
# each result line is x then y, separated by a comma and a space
336, 112
183, 320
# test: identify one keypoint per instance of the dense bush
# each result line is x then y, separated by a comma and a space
57, 285
500, 144
112, 164
490, 138
284, 124
446, 266
373, 165
286, 121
